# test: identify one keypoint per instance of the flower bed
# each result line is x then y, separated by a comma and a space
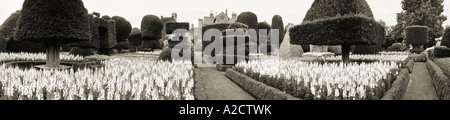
119, 79
327, 81
7, 57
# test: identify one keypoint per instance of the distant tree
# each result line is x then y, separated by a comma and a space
424, 13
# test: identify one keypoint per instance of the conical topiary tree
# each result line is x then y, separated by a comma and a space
277, 23
151, 28
135, 39
343, 22
7, 30
54, 22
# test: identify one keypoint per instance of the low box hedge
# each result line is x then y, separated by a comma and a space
259, 90
398, 89
440, 81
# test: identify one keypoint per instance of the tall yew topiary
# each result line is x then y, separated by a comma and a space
339, 22
151, 28
277, 23
54, 22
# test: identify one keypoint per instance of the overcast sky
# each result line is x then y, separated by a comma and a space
292, 11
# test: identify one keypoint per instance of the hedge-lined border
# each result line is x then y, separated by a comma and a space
398, 89
440, 81
257, 89
410, 66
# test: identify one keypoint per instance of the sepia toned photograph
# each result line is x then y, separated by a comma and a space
203, 50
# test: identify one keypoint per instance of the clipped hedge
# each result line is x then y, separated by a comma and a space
440, 81
106, 33
342, 30
223, 68
248, 18
366, 49
123, 28
416, 35
151, 28
257, 89
172, 26
444, 64
45, 20
135, 37
441, 52
399, 87
277, 23
446, 38
410, 66
264, 26
218, 26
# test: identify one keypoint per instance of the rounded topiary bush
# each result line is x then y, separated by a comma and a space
123, 28
446, 38
135, 39
249, 19
151, 28
396, 47
277, 23
44, 20
264, 26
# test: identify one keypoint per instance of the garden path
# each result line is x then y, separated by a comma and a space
420, 87
212, 84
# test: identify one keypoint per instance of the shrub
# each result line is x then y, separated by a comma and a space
367, 49
287, 50
441, 52
7, 30
151, 45
249, 19
45, 20
446, 38
66, 47
396, 47
264, 25
172, 26
80, 51
135, 37
416, 35
166, 55
151, 28
218, 26
105, 51
123, 28
277, 23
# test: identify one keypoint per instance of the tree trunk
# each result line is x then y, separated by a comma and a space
53, 60
346, 53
